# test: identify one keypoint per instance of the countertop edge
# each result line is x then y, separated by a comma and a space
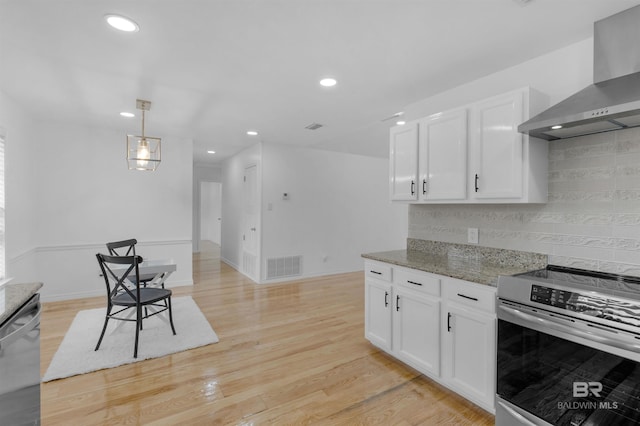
13, 296
434, 264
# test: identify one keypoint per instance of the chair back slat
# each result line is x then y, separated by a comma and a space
116, 280
117, 248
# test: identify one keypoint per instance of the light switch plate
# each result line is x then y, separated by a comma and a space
472, 235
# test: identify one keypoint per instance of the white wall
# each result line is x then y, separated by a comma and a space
81, 195
592, 218
21, 175
338, 208
558, 75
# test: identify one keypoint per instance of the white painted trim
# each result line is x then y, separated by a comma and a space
305, 276
102, 245
69, 296
230, 263
30, 252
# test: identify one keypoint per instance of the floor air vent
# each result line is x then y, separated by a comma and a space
280, 267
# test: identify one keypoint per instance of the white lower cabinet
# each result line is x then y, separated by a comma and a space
378, 313
469, 350
416, 330
443, 327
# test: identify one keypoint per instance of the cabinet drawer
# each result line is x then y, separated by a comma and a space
416, 280
378, 270
474, 295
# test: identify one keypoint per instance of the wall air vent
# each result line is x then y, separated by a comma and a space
281, 267
314, 126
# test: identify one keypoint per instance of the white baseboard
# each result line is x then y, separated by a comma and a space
305, 276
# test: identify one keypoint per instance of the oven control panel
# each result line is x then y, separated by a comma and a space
550, 296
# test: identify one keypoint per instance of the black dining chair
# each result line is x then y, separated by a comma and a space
124, 294
128, 248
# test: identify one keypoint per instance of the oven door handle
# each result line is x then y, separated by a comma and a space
567, 330
25, 329
516, 415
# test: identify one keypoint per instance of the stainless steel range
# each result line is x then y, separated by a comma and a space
568, 348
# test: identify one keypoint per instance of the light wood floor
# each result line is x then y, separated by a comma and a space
288, 354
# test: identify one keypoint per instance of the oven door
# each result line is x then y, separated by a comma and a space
560, 371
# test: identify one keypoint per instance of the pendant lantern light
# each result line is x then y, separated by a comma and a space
143, 152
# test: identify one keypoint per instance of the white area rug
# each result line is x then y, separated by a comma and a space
76, 353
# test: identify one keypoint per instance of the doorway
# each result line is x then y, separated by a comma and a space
210, 219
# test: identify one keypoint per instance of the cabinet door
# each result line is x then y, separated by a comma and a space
403, 162
416, 330
469, 353
497, 147
377, 310
443, 156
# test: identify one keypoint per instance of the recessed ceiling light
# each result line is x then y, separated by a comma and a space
401, 122
127, 114
252, 133
122, 23
556, 127
328, 82
211, 152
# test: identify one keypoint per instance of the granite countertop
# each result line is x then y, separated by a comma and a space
478, 269
13, 296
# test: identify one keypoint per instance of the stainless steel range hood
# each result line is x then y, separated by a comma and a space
612, 102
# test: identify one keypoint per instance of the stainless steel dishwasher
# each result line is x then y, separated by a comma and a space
20, 366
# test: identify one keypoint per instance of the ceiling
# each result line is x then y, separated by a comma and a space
214, 69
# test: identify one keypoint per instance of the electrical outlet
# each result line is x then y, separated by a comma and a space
472, 235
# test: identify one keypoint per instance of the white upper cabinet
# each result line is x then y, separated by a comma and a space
473, 154
443, 156
506, 166
403, 165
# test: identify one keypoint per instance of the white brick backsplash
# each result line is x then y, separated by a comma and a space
619, 268
572, 262
591, 220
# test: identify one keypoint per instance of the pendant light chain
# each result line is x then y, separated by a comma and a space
143, 122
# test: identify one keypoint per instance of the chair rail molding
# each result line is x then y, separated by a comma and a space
69, 271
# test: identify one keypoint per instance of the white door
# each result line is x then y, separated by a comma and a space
469, 352
443, 156
377, 311
416, 330
403, 162
497, 147
250, 216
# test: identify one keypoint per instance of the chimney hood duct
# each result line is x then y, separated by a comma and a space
612, 102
